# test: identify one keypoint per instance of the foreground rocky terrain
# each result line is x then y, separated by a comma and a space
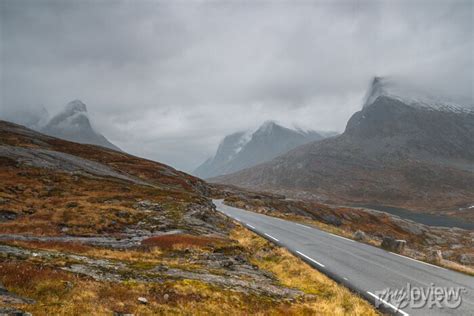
86, 230
449, 247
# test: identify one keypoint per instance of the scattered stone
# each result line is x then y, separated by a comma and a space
243, 278
11, 311
166, 297
7, 216
392, 244
435, 256
360, 235
147, 205
143, 300
466, 259
226, 263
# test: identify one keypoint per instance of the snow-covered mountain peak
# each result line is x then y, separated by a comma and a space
267, 127
413, 95
245, 149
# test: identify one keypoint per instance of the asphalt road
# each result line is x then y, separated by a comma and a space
364, 269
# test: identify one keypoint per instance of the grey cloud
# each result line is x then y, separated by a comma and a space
168, 80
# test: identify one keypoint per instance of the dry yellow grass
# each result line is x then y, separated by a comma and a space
61, 293
457, 267
330, 298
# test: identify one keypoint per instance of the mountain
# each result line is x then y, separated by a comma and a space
246, 149
398, 150
73, 124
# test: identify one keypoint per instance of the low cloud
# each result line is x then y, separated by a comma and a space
168, 81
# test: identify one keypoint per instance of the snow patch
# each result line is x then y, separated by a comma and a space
412, 96
246, 137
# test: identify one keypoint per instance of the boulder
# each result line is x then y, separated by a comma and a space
466, 258
360, 235
435, 256
392, 244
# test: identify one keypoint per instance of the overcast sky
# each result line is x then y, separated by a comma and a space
167, 80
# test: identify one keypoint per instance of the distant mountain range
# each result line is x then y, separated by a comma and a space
246, 149
400, 150
72, 123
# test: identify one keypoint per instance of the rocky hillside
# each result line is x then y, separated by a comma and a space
246, 149
395, 151
89, 230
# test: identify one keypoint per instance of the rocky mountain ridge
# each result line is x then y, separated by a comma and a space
391, 153
246, 149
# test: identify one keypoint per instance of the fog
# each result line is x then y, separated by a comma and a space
167, 81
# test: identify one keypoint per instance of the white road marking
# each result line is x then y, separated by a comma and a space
345, 278
311, 259
388, 304
250, 226
270, 236
342, 237
302, 225
237, 219
429, 264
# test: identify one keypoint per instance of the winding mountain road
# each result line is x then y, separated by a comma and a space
362, 268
